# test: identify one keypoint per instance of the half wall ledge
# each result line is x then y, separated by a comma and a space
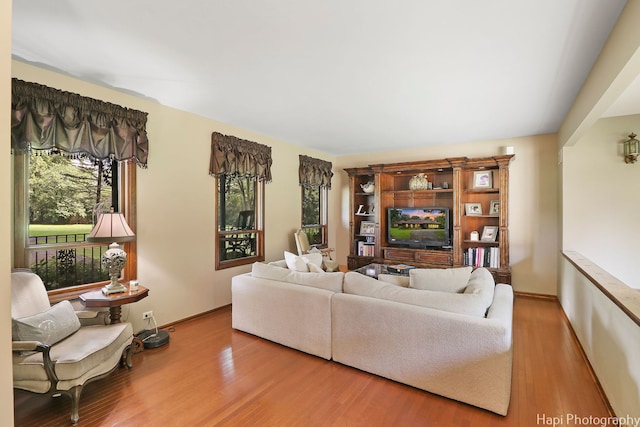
623, 296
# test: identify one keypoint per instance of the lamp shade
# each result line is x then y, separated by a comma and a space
111, 227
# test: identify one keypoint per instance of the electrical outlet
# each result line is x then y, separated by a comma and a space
147, 315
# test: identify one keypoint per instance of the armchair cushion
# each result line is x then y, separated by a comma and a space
48, 327
91, 351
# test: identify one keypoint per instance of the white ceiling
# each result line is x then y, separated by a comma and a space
339, 76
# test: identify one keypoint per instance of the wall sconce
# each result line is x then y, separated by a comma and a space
631, 149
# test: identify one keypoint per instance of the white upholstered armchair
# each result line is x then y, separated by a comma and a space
52, 353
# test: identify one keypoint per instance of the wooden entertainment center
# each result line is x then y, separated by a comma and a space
473, 190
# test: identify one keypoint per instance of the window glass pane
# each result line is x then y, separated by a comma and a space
310, 205
236, 219
311, 214
62, 195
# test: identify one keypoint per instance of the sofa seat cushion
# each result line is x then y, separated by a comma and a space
48, 327
90, 351
328, 281
440, 279
473, 304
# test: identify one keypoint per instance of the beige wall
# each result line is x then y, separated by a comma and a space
600, 198
6, 384
176, 204
617, 66
533, 202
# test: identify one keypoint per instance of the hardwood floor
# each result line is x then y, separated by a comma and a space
211, 375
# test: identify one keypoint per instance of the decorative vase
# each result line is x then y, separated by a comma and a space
369, 187
419, 182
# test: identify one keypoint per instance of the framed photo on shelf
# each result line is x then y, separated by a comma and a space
494, 208
489, 233
482, 179
367, 228
473, 209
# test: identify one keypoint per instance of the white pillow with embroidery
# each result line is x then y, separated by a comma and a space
47, 327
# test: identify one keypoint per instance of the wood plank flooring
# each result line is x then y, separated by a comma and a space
211, 375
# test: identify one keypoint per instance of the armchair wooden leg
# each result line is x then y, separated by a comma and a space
126, 357
74, 393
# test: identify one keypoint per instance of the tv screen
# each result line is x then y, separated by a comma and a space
419, 227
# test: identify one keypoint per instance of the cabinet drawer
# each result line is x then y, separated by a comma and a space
440, 258
419, 256
399, 255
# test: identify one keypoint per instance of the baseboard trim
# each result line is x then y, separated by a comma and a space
195, 316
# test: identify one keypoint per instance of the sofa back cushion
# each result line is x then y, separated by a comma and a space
472, 304
394, 279
482, 285
440, 279
328, 281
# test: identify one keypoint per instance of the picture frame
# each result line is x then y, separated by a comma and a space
489, 233
473, 209
367, 228
494, 208
482, 179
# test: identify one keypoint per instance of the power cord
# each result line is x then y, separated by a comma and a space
156, 328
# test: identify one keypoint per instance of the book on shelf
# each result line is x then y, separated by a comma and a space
366, 248
482, 257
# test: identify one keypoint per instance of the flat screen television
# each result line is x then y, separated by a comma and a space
419, 227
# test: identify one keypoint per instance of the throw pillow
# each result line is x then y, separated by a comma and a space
299, 263
314, 268
47, 327
328, 281
482, 285
440, 279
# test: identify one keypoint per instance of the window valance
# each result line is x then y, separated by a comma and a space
239, 157
44, 118
314, 171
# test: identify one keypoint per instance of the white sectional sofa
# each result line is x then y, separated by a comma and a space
441, 341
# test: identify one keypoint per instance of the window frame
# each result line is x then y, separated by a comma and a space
258, 229
323, 214
21, 247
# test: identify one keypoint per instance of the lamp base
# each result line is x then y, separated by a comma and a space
113, 289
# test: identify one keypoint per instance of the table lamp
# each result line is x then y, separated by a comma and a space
112, 227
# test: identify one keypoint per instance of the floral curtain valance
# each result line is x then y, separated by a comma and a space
44, 118
239, 157
315, 172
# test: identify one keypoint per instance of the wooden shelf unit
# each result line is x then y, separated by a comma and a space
453, 187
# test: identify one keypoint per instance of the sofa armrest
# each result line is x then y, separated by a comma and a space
462, 357
27, 346
45, 349
294, 315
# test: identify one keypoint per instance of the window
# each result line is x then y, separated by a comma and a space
56, 201
315, 181
241, 169
314, 214
239, 217
55, 196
